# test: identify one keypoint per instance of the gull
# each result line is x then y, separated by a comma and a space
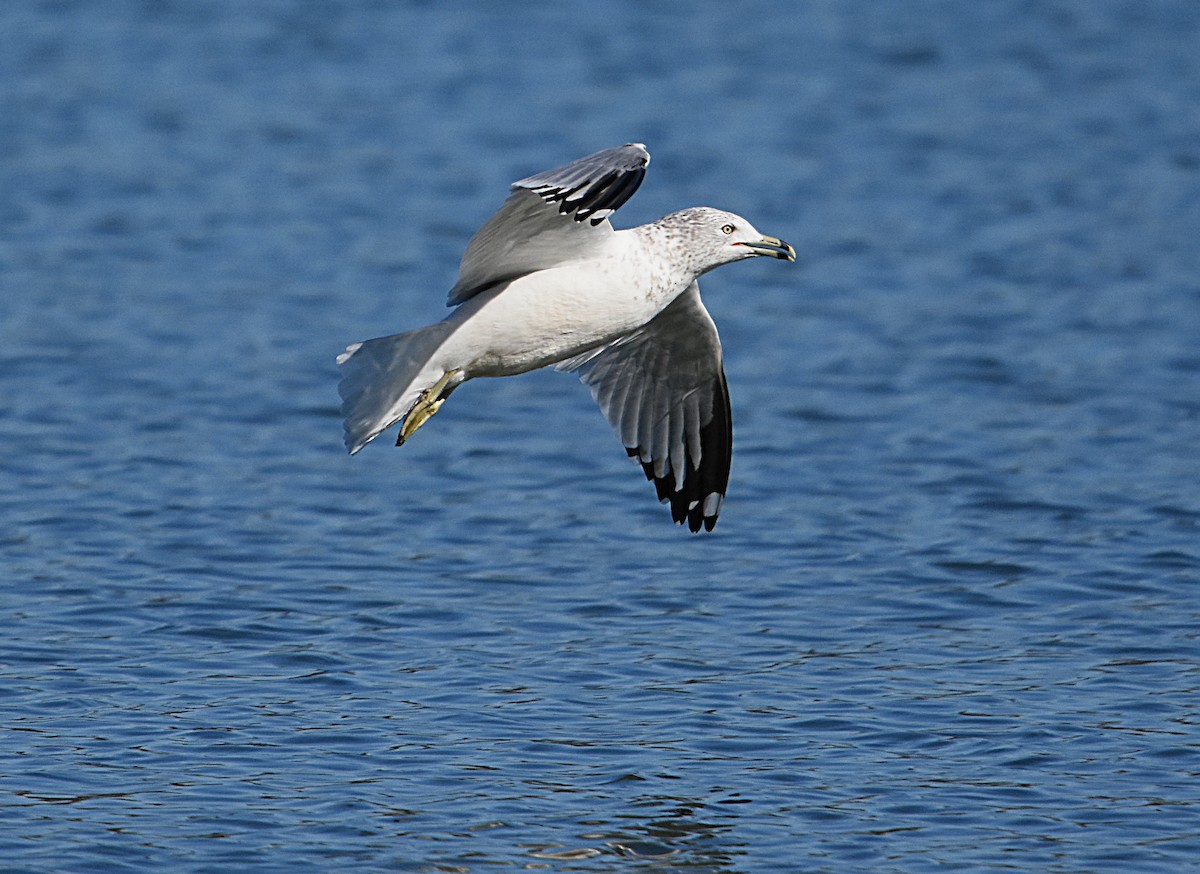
547, 281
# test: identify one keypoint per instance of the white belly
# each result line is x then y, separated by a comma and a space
545, 317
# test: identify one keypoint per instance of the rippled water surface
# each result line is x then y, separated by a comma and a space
949, 617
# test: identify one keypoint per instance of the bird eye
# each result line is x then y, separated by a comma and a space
727, 229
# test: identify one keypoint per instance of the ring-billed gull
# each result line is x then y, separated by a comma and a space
547, 280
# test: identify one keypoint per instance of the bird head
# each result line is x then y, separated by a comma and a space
717, 237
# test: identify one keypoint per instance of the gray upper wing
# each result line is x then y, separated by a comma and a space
552, 217
662, 388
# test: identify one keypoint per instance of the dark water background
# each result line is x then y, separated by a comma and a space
949, 618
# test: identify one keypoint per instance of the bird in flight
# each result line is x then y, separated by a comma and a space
546, 281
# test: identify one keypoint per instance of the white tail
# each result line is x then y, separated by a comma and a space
384, 377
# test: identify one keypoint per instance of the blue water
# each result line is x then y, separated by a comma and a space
949, 618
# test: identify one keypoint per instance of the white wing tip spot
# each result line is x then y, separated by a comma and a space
350, 350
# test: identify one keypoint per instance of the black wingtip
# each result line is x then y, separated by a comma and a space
592, 187
690, 505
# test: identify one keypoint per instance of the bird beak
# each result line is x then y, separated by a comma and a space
772, 246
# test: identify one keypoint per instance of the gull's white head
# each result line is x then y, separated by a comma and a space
707, 238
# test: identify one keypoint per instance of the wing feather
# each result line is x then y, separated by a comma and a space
551, 217
662, 388
604, 180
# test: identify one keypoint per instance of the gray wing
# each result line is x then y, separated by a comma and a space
662, 388
552, 217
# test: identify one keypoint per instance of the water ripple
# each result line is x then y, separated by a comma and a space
948, 618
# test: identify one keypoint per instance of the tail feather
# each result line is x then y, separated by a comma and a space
383, 378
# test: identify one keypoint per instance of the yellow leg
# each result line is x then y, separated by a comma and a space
427, 404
